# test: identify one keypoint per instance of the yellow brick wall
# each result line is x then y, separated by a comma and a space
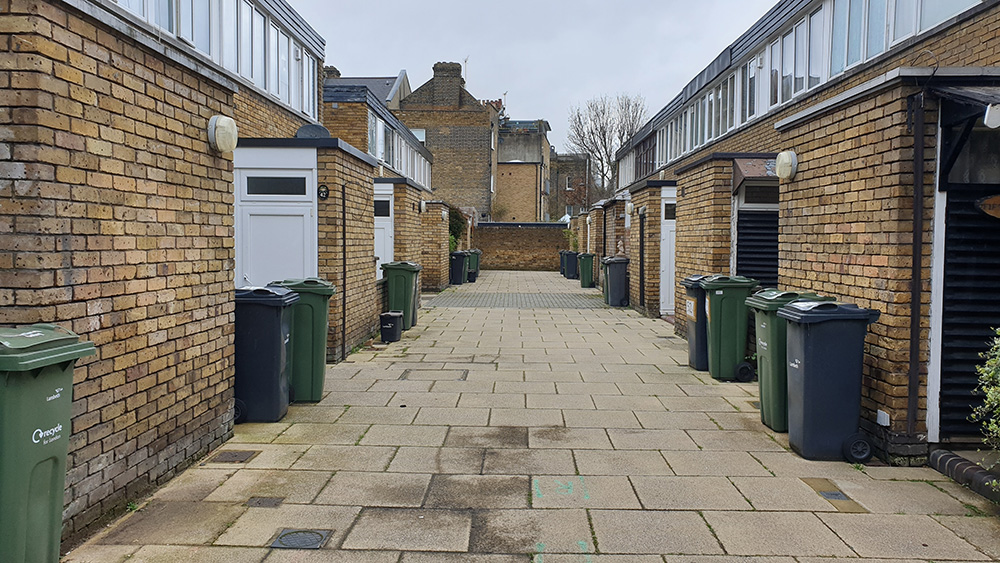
259, 117
516, 193
406, 223
645, 254
434, 251
348, 122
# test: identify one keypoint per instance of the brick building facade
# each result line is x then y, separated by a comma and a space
461, 133
570, 185
845, 224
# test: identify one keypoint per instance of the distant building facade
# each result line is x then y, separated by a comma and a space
523, 183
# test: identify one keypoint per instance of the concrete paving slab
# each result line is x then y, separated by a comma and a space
398, 435
353, 488
411, 557
528, 462
378, 415
734, 440
653, 532
259, 526
437, 460
531, 531
982, 532
579, 491
411, 529
356, 399
569, 438
555, 401
93, 553
526, 417
463, 387
487, 400
788, 464
621, 462
198, 554
781, 494
633, 403
717, 390
436, 416
688, 493
576, 388
650, 389
412, 385
258, 432
600, 419
739, 559
491, 437
878, 535
697, 404
676, 420
730, 464
775, 533
312, 413
641, 439
901, 497
293, 486
478, 491
194, 485
525, 387
424, 400
346, 458
974, 501
316, 433
174, 522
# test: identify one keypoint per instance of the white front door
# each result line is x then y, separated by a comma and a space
668, 244
275, 223
384, 230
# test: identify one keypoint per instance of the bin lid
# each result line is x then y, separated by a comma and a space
587, 255
274, 296
614, 260
460, 253
809, 312
719, 281
476, 251
39, 345
774, 299
693, 281
568, 252
405, 266
392, 314
307, 285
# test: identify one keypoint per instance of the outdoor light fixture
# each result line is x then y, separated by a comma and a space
992, 118
423, 206
223, 133
588, 219
786, 165
629, 208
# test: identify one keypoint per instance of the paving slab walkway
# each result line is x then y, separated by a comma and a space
547, 430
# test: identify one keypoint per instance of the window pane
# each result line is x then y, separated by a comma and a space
729, 93
876, 27
276, 186
246, 39
272, 60
936, 11
295, 95
133, 6
382, 208
775, 71
720, 121
186, 20
258, 50
372, 134
752, 88
669, 211
283, 66
855, 31
815, 48
838, 47
800, 57
787, 65
905, 19
202, 19
230, 40
165, 14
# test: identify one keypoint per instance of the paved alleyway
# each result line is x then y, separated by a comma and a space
564, 432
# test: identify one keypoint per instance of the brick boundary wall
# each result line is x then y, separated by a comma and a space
520, 246
650, 278
434, 253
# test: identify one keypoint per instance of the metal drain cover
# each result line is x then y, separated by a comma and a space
265, 502
833, 495
234, 456
291, 538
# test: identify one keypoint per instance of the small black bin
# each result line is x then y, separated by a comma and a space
263, 352
697, 325
392, 326
458, 270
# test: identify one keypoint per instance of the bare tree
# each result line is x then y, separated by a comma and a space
600, 128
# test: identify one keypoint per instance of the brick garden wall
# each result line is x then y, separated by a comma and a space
597, 240
520, 246
650, 255
434, 250
116, 221
516, 192
337, 168
406, 223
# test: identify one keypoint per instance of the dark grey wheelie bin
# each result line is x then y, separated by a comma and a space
263, 350
697, 325
572, 272
36, 403
458, 267
616, 279
825, 356
562, 262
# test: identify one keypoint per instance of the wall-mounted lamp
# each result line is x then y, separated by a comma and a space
223, 134
629, 208
992, 118
423, 206
588, 219
786, 165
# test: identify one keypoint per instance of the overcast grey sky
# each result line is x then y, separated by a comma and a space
548, 56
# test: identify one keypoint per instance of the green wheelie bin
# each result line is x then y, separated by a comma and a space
36, 403
310, 325
586, 270
726, 312
772, 372
401, 278
475, 256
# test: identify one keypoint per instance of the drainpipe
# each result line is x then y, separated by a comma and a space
343, 272
916, 274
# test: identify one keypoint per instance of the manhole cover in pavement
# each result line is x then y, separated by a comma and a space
265, 502
234, 456
833, 495
291, 538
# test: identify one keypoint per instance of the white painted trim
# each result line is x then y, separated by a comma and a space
937, 309
275, 158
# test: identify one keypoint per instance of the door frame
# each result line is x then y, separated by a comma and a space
668, 196
385, 192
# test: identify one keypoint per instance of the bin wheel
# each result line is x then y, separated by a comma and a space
239, 411
857, 448
744, 372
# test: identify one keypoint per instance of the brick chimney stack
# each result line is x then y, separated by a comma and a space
448, 84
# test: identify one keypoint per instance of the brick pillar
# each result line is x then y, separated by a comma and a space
644, 267
434, 252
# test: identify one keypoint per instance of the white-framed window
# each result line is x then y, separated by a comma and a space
817, 46
775, 79
259, 73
